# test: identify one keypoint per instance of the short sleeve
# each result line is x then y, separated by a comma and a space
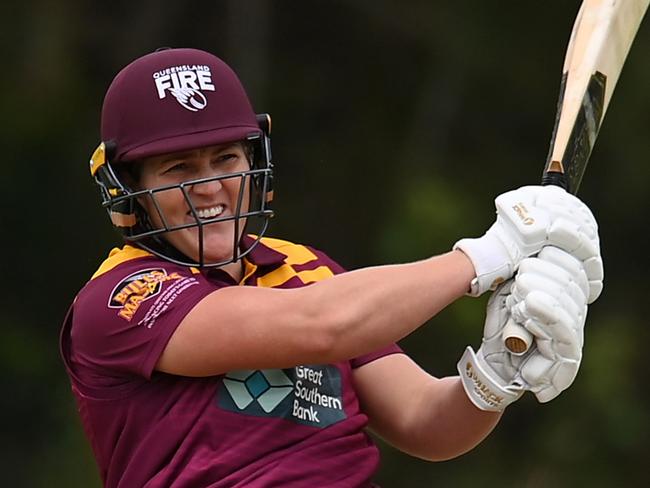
124, 318
368, 358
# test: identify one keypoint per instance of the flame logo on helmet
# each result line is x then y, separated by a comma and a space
186, 84
190, 98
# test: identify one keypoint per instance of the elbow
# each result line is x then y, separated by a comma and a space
439, 455
434, 451
445, 448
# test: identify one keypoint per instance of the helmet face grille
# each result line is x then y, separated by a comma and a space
128, 214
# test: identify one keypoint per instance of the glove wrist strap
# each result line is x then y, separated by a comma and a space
491, 262
484, 391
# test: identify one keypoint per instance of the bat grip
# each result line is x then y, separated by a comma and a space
556, 178
515, 337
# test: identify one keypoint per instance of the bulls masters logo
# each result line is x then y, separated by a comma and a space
128, 295
308, 395
186, 83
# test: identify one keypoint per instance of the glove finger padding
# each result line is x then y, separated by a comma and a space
547, 378
576, 231
593, 268
595, 273
555, 313
572, 266
573, 229
558, 333
568, 298
560, 201
560, 285
591, 284
549, 298
573, 238
561, 277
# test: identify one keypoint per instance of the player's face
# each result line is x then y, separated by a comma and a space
213, 199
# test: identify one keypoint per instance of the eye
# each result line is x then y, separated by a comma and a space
227, 161
227, 157
175, 167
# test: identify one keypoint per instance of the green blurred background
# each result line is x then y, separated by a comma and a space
395, 125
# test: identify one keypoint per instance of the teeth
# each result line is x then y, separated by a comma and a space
210, 213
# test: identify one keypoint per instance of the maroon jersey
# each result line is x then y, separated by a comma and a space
299, 426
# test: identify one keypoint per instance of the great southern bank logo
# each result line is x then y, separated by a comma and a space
186, 83
309, 395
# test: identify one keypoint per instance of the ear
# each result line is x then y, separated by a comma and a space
130, 174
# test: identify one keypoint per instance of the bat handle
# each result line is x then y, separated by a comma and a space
556, 178
515, 337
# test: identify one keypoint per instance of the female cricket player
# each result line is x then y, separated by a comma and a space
204, 354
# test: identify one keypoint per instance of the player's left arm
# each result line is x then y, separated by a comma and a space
427, 417
439, 419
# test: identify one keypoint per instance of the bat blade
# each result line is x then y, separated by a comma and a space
600, 40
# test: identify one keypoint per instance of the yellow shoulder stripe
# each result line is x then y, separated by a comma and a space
118, 256
314, 275
285, 272
296, 254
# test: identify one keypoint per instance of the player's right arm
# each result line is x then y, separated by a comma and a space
339, 318
358, 312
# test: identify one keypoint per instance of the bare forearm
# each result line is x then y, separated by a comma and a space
453, 426
419, 414
369, 308
437, 423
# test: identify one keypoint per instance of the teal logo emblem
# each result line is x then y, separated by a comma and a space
267, 388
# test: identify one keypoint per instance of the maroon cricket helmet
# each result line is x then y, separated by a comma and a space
173, 100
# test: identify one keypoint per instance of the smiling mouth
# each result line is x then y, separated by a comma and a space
210, 213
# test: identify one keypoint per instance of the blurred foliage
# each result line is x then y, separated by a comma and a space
395, 125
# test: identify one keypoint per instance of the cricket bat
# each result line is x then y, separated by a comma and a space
600, 40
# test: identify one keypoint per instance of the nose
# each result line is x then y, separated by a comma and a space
207, 188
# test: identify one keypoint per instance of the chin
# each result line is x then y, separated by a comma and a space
210, 254
217, 246
212, 257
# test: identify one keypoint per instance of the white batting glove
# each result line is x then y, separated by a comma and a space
551, 302
527, 220
549, 298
